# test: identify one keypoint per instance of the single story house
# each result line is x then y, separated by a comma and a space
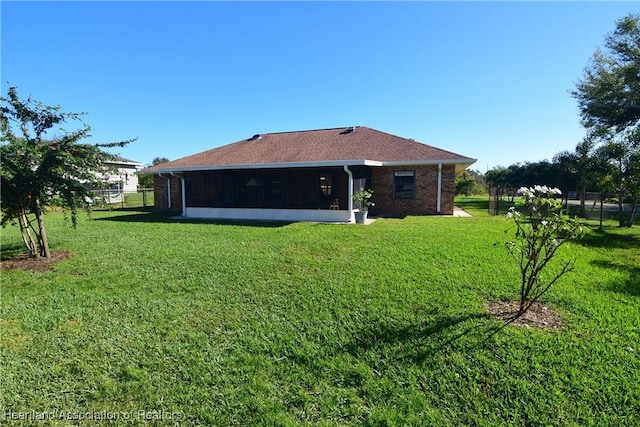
310, 176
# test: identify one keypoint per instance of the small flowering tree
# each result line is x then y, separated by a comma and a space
36, 169
541, 228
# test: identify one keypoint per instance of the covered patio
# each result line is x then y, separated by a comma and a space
311, 193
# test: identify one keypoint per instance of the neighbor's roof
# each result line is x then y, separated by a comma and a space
118, 160
324, 147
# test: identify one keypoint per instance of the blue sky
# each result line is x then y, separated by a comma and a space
489, 80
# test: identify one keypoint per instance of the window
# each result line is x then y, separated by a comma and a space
326, 184
404, 184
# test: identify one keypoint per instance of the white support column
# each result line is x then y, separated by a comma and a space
350, 199
439, 202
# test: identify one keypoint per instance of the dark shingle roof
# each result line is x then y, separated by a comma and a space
314, 147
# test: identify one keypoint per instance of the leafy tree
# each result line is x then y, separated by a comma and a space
470, 181
526, 174
36, 169
587, 173
565, 163
615, 153
464, 183
496, 177
633, 183
603, 175
609, 93
145, 180
577, 170
609, 101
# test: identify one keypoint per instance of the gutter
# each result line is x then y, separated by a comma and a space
350, 199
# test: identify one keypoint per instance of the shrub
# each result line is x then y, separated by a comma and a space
541, 228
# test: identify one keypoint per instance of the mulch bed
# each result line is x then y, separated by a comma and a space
25, 262
538, 316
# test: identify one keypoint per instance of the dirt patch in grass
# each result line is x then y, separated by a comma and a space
25, 262
538, 316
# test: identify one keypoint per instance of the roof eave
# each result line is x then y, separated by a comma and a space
459, 164
327, 163
117, 163
462, 162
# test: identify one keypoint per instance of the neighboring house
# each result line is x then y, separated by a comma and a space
310, 176
122, 179
125, 174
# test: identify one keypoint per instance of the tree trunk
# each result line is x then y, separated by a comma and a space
583, 195
620, 211
620, 195
44, 243
634, 209
601, 209
27, 238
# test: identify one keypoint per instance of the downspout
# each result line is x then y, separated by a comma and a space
438, 207
184, 198
168, 190
350, 199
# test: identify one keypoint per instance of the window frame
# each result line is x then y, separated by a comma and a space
405, 173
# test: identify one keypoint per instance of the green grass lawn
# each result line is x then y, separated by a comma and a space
288, 324
136, 200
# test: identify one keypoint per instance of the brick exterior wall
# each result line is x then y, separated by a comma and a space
160, 198
425, 201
